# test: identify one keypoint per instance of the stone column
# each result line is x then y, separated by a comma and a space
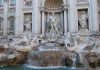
65, 21
93, 16
5, 25
62, 21
35, 18
17, 20
65, 16
43, 22
72, 16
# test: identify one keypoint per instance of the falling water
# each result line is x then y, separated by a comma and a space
74, 57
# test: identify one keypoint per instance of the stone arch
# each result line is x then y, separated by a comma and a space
43, 2
53, 4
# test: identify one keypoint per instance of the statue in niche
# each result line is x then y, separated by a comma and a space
1, 19
52, 22
27, 23
28, 2
83, 20
12, 24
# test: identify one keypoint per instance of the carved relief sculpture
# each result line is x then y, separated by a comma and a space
28, 2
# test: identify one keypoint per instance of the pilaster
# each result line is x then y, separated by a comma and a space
35, 18
43, 20
5, 25
93, 16
72, 16
18, 18
65, 21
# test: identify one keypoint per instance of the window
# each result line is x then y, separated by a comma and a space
1, 20
11, 22
13, 2
1, 2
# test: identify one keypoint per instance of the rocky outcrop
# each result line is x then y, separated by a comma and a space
10, 56
50, 58
68, 62
12, 59
1, 49
45, 58
46, 53
98, 62
92, 59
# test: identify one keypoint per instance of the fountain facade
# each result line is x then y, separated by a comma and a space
55, 34
80, 51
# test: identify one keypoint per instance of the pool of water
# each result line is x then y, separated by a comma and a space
23, 67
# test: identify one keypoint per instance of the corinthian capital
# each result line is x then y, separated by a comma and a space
6, 0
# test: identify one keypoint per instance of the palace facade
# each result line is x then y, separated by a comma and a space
31, 16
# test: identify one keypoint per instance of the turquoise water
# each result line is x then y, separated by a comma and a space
23, 67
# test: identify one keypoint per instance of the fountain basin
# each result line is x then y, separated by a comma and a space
49, 58
25, 67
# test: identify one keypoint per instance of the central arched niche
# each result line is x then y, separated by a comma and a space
52, 4
55, 6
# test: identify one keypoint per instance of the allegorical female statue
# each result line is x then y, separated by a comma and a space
83, 20
27, 23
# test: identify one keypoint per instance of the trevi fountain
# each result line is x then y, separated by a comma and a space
59, 46
52, 50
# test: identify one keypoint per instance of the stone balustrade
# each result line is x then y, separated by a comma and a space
12, 7
82, 0
11, 31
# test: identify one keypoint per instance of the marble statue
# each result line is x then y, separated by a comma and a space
83, 20
35, 41
28, 2
53, 23
71, 39
1, 22
27, 24
28, 27
11, 21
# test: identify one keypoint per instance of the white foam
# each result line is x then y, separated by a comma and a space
48, 49
52, 67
